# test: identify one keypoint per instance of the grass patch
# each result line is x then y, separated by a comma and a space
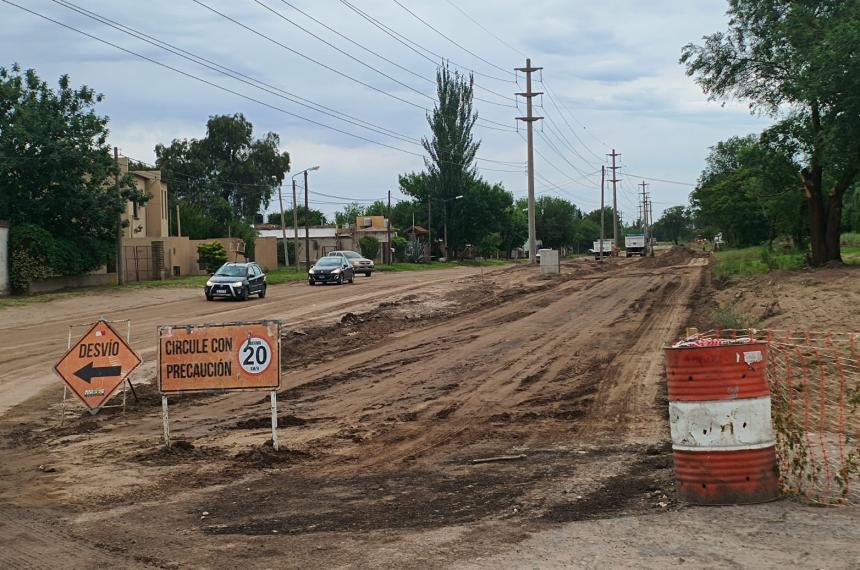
754, 261
851, 240
395, 267
282, 275
727, 317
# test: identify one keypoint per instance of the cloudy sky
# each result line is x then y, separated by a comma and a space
610, 67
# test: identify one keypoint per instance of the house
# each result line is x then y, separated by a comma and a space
374, 226
321, 239
149, 219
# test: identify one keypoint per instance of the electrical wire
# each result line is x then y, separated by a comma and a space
497, 38
409, 44
558, 105
227, 89
429, 25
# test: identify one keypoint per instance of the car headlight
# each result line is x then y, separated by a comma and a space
336, 271
310, 271
209, 283
237, 284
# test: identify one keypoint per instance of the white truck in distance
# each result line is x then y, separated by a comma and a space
608, 247
635, 245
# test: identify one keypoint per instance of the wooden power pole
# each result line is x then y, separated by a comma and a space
120, 266
295, 229
602, 211
388, 227
529, 119
614, 198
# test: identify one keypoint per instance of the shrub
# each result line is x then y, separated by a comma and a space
399, 244
369, 246
490, 244
29, 247
211, 256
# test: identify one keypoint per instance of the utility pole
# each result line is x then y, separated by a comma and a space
307, 229
388, 227
602, 209
283, 225
178, 223
645, 214
614, 198
529, 120
120, 266
295, 229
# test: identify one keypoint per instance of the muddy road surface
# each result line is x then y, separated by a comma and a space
432, 419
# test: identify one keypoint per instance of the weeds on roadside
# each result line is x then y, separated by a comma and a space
727, 317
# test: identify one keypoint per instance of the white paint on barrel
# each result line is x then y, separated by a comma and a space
721, 425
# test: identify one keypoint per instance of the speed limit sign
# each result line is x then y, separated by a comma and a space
235, 356
255, 355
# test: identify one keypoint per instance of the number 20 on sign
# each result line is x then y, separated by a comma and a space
238, 356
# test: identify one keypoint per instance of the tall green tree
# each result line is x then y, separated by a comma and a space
349, 213
797, 62
313, 217
674, 225
748, 192
228, 175
556, 220
57, 173
451, 149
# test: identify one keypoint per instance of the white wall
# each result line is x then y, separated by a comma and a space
4, 258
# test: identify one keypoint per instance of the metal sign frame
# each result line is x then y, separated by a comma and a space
272, 389
125, 342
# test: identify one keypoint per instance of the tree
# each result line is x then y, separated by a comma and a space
369, 246
451, 149
227, 175
378, 208
748, 193
399, 244
57, 175
211, 256
349, 213
796, 62
314, 217
674, 225
555, 221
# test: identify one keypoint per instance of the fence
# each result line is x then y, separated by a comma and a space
815, 386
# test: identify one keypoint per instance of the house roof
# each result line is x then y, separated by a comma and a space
151, 174
415, 229
314, 233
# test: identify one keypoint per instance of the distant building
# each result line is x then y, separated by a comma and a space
149, 219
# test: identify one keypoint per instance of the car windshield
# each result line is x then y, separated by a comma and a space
232, 271
330, 261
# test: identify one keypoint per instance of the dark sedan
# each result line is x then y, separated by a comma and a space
236, 281
331, 269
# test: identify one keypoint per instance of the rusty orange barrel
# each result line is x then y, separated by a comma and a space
719, 414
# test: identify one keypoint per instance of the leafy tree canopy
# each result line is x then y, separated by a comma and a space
57, 171
314, 217
227, 174
796, 61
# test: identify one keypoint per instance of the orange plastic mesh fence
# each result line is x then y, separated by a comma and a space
815, 393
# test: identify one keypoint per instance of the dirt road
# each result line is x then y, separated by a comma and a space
33, 337
392, 389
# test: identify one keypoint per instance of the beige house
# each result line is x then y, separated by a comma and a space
147, 220
375, 226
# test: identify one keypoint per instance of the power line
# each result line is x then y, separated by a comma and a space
559, 106
409, 44
232, 73
474, 21
229, 90
379, 55
661, 180
429, 25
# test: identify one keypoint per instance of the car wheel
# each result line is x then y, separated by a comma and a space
263, 292
352, 279
310, 282
243, 296
339, 280
210, 298
368, 274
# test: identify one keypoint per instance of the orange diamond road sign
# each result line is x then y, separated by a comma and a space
237, 356
97, 364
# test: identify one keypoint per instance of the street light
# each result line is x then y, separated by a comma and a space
296, 217
445, 218
283, 225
